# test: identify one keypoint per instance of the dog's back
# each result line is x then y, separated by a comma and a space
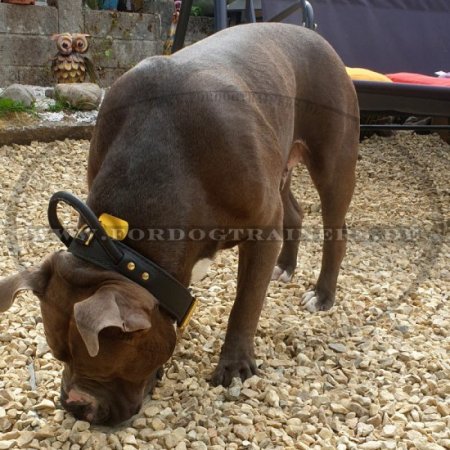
281, 80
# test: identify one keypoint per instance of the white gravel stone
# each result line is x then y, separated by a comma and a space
81, 425
444, 443
371, 445
174, 438
44, 404
272, 398
388, 367
325, 434
337, 347
25, 438
423, 445
42, 347
199, 445
363, 429
158, 424
5, 445
389, 430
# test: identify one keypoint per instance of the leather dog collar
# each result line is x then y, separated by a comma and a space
94, 245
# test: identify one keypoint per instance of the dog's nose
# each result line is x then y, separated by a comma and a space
82, 405
81, 411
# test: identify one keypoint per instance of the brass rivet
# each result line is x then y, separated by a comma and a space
131, 266
145, 276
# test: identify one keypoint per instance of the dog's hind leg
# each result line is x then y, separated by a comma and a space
292, 223
332, 169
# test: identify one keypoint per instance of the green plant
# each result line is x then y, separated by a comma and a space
196, 11
93, 4
61, 105
9, 106
102, 49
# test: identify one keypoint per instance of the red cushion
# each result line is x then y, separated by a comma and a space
417, 78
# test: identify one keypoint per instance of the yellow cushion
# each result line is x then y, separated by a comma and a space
356, 73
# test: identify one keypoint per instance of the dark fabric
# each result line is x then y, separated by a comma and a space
382, 35
406, 98
270, 8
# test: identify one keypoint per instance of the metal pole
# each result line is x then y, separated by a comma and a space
220, 15
183, 21
250, 11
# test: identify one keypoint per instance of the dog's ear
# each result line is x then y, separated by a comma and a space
108, 308
34, 279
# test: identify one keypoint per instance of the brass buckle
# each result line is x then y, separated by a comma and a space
187, 318
88, 235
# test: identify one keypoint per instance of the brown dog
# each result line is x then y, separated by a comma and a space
205, 139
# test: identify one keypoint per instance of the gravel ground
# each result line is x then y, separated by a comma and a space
372, 373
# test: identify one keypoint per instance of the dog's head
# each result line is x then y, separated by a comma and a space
108, 331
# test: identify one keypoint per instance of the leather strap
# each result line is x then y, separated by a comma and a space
93, 245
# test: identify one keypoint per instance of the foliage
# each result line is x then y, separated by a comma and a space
9, 106
61, 105
196, 11
93, 4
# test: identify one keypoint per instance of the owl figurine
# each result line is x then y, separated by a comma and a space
71, 64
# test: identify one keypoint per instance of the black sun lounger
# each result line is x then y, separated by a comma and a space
403, 98
373, 96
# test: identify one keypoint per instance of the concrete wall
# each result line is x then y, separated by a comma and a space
25, 48
118, 42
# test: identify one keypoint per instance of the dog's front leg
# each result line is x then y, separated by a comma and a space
256, 262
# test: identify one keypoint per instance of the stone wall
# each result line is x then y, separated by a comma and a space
118, 42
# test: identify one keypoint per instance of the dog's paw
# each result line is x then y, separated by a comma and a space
226, 370
279, 274
309, 301
313, 302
